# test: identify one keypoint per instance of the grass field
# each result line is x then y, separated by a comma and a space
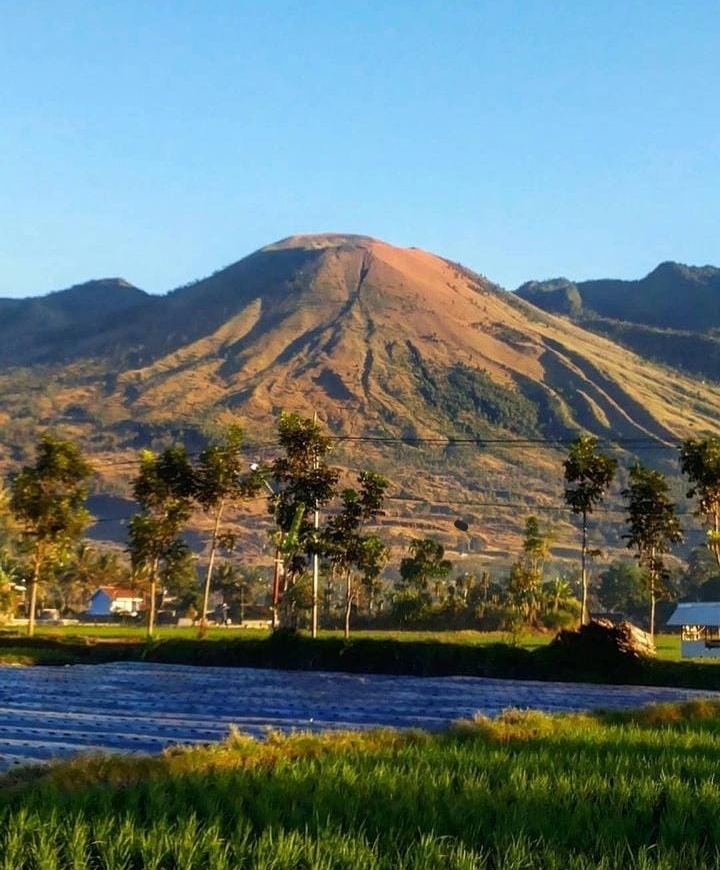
139, 633
624, 790
668, 645
529, 639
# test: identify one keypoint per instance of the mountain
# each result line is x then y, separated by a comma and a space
671, 315
672, 296
44, 328
463, 393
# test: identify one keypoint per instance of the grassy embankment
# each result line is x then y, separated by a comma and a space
621, 790
461, 653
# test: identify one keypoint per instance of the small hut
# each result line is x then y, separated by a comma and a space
699, 623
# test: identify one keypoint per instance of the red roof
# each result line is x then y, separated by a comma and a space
116, 592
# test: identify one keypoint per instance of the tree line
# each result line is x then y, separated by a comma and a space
43, 517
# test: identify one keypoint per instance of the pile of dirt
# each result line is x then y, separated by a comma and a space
600, 637
601, 650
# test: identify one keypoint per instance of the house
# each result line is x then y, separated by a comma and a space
700, 628
112, 600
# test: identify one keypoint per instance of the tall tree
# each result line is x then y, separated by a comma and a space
700, 463
653, 526
179, 579
346, 543
304, 483
526, 575
48, 502
222, 479
374, 557
9, 530
588, 474
164, 488
536, 544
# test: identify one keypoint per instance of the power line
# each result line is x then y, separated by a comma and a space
447, 442
559, 508
453, 441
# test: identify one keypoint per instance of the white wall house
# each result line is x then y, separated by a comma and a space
109, 600
700, 628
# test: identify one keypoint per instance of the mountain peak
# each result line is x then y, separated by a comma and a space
318, 241
672, 270
99, 285
95, 298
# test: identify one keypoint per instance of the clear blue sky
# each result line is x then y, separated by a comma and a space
160, 140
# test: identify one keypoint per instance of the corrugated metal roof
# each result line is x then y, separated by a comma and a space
696, 613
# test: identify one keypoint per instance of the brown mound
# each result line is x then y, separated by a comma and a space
600, 641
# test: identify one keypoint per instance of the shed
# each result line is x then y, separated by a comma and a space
700, 628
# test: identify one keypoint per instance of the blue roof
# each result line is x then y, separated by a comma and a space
696, 613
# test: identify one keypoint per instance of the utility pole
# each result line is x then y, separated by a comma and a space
277, 573
279, 568
314, 615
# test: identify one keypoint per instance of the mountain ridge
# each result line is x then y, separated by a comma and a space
673, 296
671, 316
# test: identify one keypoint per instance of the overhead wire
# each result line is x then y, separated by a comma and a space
447, 442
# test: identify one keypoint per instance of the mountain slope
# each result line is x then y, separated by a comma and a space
672, 315
377, 339
407, 358
380, 338
43, 329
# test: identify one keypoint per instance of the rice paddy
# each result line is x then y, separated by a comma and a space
527, 790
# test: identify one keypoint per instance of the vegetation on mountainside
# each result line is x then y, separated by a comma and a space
44, 329
652, 300
643, 315
472, 399
696, 353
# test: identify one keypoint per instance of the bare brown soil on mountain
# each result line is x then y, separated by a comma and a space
386, 345
350, 332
